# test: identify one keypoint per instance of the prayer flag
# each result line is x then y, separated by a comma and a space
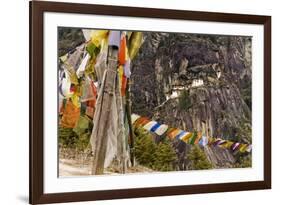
149, 125
114, 38
174, 133
182, 133
161, 130
134, 118
155, 127
186, 137
203, 141
199, 135
122, 50
193, 138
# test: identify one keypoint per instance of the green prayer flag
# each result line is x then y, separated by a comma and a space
92, 49
193, 138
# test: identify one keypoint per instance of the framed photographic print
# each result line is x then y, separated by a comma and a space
135, 102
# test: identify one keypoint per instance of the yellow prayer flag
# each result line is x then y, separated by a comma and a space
186, 137
243, 148
129, 34
227, 144
75, 100
97, 36
135, 44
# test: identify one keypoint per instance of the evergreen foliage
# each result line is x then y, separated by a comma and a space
144, 148
69, 139
159, 157
198, 159
244, 160
244, 133
165, 156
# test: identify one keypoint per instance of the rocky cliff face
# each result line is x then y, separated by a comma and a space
196, 83
69, 39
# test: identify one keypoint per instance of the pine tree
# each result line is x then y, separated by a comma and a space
165, 156
198, 159
158, 157
144, 148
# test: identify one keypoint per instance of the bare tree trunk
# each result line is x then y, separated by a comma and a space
103, 122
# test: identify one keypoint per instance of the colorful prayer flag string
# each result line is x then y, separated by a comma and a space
187, 137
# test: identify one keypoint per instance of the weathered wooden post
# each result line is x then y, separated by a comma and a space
104, 117
109, 95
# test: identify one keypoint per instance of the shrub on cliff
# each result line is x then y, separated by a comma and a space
198, 159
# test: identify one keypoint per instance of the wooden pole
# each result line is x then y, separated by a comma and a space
103, 122
131, 131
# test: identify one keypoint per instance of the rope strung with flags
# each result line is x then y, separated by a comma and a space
187, 137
